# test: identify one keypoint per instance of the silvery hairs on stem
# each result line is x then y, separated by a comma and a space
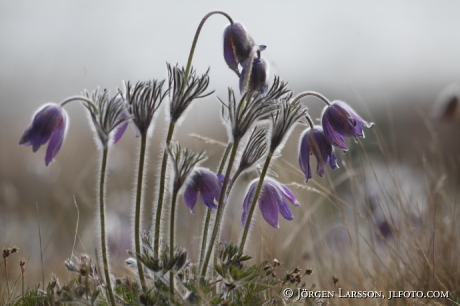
241, 115
143, 100
183, 161
283, 120
183, 92
108, 115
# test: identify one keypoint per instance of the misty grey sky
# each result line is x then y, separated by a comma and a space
368, 52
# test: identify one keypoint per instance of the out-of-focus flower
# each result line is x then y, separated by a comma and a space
272, 201
258, 81
237, 46
446, 106
204, 181
313, 141
339, 120
49, 125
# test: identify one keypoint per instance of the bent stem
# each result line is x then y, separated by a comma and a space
171, 242
197, 34
102, 220
171, 131
254, 202
209, 210
311, 93
164, 165
137, 214
220, 208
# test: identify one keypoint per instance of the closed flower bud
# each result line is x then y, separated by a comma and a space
259, 77
237, 45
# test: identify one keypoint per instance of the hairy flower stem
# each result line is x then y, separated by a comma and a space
77, 98
310, 93
137, 215
220, 207
254, 202
171, 131
204, 237
171, 241
164, 165
195, 39
102, 220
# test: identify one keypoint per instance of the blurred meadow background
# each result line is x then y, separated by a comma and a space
390, 210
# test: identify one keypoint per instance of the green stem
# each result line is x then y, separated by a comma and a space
209, 210
195, 39
164, 165
229, 189
205, 236
220, 208
171, 242
102, 220
137, 215
224, 157
254, 202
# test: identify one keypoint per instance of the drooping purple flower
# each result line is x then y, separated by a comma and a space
313, 141
49, 125
207, 183
339, 120
237, 45
272, 201
259, 77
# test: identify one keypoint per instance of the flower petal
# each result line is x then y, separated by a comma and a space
248, 200
259, 76
288, 194
190, 197
285, 211
56, 139
119, 131
332, 136
269, 201
304, 156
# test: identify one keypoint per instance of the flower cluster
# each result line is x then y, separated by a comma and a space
270, 112
339, 120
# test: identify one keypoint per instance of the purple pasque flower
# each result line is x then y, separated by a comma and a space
237, 45
258, 81
49, 125
339, 120
314, 142
272, 201
207, 183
